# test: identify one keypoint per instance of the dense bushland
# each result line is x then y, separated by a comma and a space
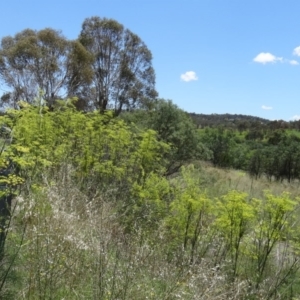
98, 215
270, 153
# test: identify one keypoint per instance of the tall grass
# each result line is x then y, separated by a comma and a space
73, 244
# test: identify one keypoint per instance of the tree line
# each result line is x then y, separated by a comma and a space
241, 122
106, 67
270, 153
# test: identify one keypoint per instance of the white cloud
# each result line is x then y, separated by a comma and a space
295, 118
297, 51
266, 107
293, 62
189, 76
266, 57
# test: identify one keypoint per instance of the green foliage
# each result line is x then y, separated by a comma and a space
274, 154
234, 218
97, 152
275, 222
91, 143
189, 212
220, 142
176, 128
149, 205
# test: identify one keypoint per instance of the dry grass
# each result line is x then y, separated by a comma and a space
75, 247
219, 181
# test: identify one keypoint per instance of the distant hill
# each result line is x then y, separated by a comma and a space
227, 120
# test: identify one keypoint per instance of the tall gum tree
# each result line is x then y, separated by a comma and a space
122, 72
38, 60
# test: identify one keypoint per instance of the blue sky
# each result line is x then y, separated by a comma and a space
210, 56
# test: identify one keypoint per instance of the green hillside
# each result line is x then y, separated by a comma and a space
109, 192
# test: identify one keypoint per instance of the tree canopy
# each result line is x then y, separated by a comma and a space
107, 67
122, 72
32, 61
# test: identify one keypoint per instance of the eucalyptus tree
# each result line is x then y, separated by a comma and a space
121, 67
37, 60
